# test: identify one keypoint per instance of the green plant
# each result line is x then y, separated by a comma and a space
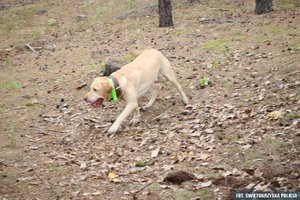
98, 12
205, 81
16, 85
52, 22
60, 78
140, 164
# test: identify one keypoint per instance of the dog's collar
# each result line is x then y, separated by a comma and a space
116, 89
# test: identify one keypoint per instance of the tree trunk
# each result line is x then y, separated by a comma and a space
263, 6
165, 13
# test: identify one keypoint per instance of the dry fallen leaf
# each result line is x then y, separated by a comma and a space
205, 184
250, 186
97, 193
202, 156
260, 187
155, 152
113, 177
274, 115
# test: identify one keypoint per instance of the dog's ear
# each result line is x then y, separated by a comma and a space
107, 88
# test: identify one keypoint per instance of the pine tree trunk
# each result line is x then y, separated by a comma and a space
263, 6
165, 13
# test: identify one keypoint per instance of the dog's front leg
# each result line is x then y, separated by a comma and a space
130, 107
136, 117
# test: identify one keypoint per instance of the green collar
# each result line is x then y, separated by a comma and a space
114, 97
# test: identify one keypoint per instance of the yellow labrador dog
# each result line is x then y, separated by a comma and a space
132, 81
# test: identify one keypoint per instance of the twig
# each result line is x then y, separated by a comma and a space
295, 72
30, 47
91, 120
161, 115
134, 195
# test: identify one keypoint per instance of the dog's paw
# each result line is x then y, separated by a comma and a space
111, 131
185, 100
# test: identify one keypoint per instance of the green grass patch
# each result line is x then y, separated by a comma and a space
217, 44
129, 57
214, 44
179, 32
1, 108
94, 68
277, 29
293, 115
92, 10
289, 4
18, 17
8, 63
203, 194
130, 4
182, 194
212, 175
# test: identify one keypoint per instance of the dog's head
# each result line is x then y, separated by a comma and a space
100, 90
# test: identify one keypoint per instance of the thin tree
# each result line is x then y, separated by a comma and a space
165, 13
263, 6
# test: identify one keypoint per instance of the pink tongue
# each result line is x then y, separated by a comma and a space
97, 103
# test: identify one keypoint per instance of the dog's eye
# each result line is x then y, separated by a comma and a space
95, 90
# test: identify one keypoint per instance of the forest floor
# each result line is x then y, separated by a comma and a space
239, 133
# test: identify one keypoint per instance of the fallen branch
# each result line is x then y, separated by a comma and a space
292, 73
161, 115
91, 119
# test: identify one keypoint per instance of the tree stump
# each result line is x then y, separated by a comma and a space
165, 13
263, 6
110, 67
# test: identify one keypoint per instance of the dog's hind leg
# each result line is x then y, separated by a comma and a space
167, 72
153, 95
